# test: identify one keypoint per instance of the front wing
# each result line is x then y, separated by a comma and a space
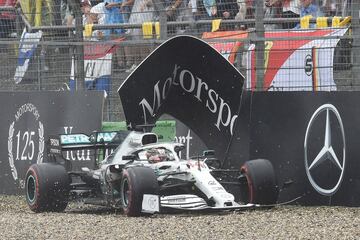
187, 202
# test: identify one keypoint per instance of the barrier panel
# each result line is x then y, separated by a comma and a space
28, 118
312, 141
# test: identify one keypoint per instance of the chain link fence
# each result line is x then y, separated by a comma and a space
278, 45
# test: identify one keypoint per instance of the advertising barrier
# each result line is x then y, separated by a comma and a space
312, 141
28, 118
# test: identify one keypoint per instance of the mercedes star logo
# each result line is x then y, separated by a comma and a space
326, 153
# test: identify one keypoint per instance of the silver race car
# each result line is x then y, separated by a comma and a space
137, 173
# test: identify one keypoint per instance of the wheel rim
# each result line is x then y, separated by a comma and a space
31, 188
125, 192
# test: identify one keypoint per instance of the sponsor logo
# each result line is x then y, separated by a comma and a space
80, 155
153, 203
189, 83
25, 141
212, 182
308, 65
326, 153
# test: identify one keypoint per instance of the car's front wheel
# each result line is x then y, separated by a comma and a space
259, 184
137, 181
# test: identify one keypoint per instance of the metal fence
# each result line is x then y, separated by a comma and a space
44, 44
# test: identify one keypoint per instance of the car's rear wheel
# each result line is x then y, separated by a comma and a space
137, 181
47, 187
259, 184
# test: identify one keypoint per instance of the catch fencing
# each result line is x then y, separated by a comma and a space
63, 45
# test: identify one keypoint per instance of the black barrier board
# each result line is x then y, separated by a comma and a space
189, 80
29, 118
312, 141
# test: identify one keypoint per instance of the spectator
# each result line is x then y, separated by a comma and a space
309, 8
273, 9
241, 15
126, 8
328, 7
114, 15
97, 13
176, 10
226, 9
85, 7
290, 9
203, 10
7, 19
97, 16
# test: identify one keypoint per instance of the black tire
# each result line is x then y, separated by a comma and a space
259, 184
135, 182
47, 187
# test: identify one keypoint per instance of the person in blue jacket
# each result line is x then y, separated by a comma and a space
113, 15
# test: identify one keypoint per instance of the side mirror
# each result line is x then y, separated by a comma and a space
208, 153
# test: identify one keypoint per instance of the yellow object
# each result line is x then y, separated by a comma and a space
215, 25
157, 29
345, 21
335, 21
38, 9
88, 30
305, 21
38, 12
268, 46
321, 22
147, 28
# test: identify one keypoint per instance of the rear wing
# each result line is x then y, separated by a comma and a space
56, 144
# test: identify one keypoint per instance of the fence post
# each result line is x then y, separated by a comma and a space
79, 73
355, 26
259, 44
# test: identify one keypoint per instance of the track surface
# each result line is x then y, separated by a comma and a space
88, 222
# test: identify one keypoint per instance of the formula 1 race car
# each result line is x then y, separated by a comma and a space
142, 176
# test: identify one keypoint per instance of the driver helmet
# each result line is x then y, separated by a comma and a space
156, 155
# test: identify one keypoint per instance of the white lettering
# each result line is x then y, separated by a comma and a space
214, 108
182, 79
69, 154
190, 84
221, 114
199, 86
166, 88
156, 103
27, 107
